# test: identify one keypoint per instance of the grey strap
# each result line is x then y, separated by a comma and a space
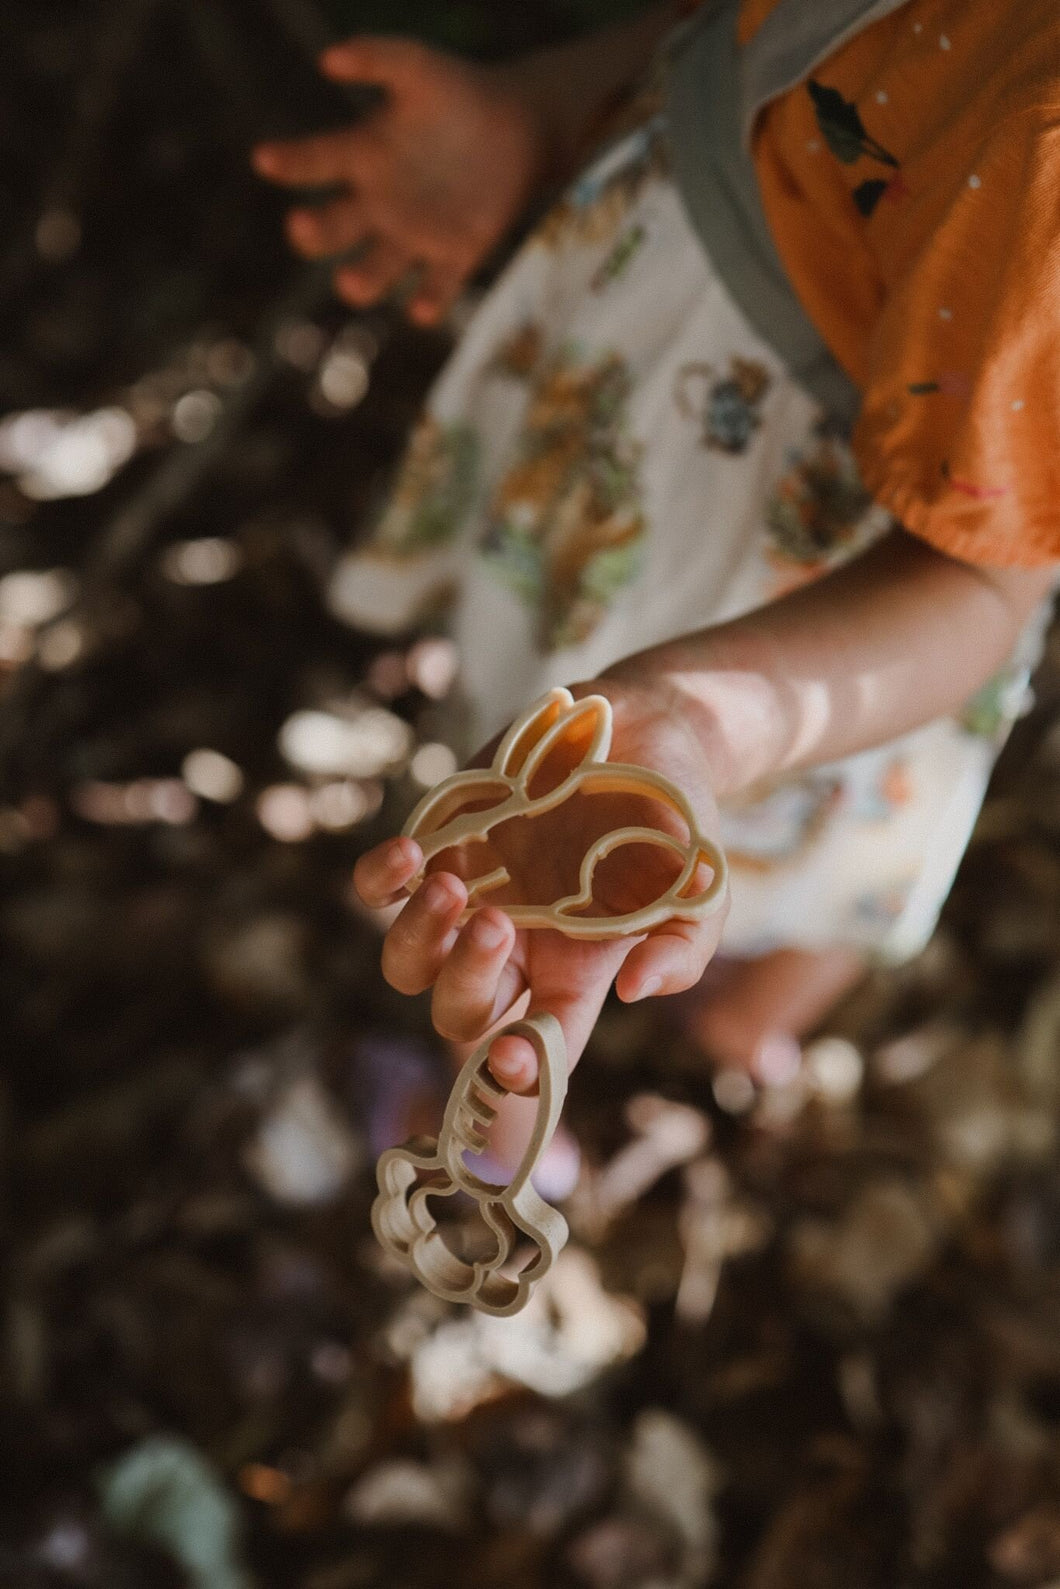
795, 38
715, 91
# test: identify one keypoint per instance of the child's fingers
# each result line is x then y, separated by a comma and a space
372, 276
332, 229
435, 293
417, 944
669, 961
381, 874
308, 162
392, 62
513, 1060
476, 984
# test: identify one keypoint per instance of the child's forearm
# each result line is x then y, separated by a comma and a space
892, 640
568, 88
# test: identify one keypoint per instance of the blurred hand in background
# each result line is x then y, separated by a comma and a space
427, 184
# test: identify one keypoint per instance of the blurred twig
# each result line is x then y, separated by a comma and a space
127, 538
183, 470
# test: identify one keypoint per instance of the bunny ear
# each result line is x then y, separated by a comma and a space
579, 732
581, 738
528, 729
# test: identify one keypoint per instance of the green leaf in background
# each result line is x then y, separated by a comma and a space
163, 1493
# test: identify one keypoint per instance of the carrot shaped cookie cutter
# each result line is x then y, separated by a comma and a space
411, 1177
504, 790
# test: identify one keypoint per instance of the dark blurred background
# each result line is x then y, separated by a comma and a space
803, 1335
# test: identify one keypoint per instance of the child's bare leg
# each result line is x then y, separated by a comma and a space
763, 1003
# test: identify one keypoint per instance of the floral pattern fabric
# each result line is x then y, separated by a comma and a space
564, 528
613, 457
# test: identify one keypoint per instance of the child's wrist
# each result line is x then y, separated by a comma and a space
564, 90
641, 695
733, 715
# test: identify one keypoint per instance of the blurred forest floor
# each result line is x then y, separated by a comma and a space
805, 1335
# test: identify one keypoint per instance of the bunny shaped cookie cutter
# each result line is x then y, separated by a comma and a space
410, 1176
438, 823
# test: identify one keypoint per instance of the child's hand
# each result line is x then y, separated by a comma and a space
480, 970
432, 180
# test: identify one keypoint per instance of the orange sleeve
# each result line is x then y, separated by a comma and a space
959, 435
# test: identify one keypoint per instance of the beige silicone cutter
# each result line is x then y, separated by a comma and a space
411, 1176
441, 822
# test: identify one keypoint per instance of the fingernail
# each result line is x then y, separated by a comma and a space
508, 1068
437, 897
302, 227
398, 854
264, 161
487, 934
652, 985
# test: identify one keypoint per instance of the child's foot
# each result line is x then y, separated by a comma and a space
751, 1014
